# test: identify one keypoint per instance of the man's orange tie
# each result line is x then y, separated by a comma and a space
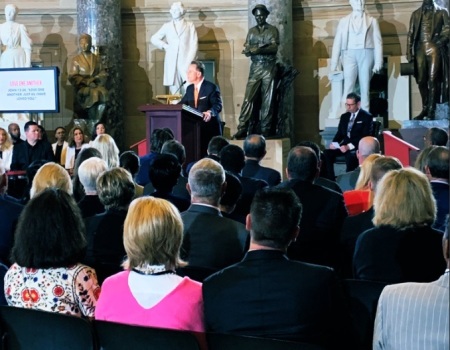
195, 96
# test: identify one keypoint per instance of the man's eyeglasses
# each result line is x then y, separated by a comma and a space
349, 104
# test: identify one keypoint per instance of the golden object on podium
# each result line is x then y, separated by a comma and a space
170, 99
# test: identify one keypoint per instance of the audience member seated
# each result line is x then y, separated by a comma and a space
77, 142
163, 174
51, 175
421, 159
30, 174
357, 224
60, 146
177, 149
402, 247
323, 211
415, 315
49, 244
360, 199
33, 149
230, 197
99, 129
149, 293
157, 139
435, 137
14, 132
130, 161
321, 181
367, 145
437, 171
255, 150
215, 145
88, 172
210, 240
268, 295
108, 149
104, 231
9, 214
6, 149
42, 134
78, 190
232, 159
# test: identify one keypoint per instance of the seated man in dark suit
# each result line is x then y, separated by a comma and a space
210, 240
435, 137
232, 159
230, 197
88, 172
33, 149
353, 126
268, 295
204, 96
215, 145
255, 150
323, 211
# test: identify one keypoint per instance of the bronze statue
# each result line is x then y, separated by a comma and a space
89, 79
258, 106
428, 37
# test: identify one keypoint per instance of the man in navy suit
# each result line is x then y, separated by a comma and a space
353, 126
268, 295
205, 97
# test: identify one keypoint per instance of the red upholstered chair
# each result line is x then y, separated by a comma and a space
357, 201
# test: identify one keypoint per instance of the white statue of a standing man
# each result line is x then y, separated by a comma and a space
15, 38
358, 47
178, 38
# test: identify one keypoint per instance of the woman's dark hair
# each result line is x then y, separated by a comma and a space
94, 131
50, 232
85, 153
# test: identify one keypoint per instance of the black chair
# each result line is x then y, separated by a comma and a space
116, 336
25, 329
363, 298
218, 341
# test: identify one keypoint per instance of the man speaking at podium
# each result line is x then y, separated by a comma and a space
205, 97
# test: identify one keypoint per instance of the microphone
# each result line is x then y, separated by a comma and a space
184, 82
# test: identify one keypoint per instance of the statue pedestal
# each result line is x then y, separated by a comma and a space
276, 156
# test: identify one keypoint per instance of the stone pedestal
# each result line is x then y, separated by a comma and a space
277, 152
102, 20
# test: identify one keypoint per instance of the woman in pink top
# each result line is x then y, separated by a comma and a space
148, 292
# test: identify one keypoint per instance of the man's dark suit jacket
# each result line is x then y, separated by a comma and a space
253, 169
9, 215
24, 154
209, 98
268, 295
210, 240
327, 183
362, 127
179, 189
249, 187
181, 203
320, 227
347, 181
441, 194
90, 205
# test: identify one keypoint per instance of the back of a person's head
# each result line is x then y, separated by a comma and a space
164, 171
255, 146
206, 179
275, 215
314, 146
89, 171
233, 191
216, 144
366, 169
380, 167
158, 137
176, 148
437, 163
50, 232
404, 198
115, 188
85, 153
153, 233
368, 145
421, 160
436, 137
51, 175
130, 161
108, 149
232, 158
302, 164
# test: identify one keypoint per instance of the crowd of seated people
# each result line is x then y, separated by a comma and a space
275, 267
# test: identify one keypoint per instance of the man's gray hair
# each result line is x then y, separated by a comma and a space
206, 178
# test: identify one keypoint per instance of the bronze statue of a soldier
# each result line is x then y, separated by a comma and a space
428, 37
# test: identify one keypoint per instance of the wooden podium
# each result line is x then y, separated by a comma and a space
184, 124
396, 147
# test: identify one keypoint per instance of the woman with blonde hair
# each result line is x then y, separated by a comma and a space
148, 292
76, 142
402, 247
51, 175
108, 149
6, 148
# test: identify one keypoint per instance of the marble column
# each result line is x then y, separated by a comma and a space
102, 20
281, 17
